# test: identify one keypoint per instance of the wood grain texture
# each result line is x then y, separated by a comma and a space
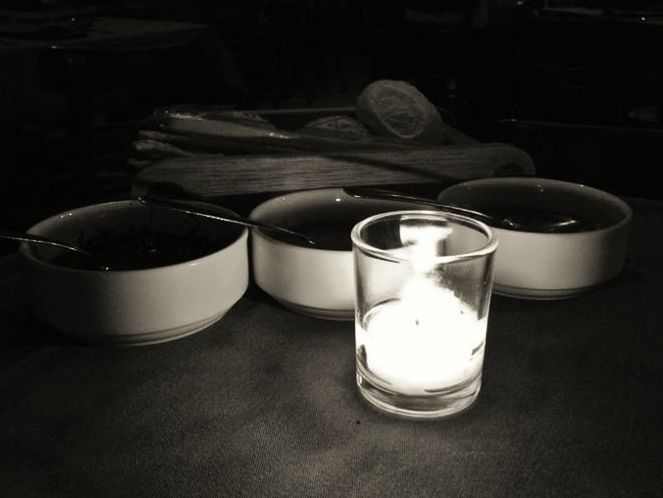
213, 175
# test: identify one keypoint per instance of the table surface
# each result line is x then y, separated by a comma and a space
263, 403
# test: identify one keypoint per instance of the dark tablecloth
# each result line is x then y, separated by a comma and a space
263, 403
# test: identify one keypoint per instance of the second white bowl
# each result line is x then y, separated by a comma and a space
316, 281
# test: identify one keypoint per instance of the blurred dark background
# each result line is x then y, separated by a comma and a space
576, 84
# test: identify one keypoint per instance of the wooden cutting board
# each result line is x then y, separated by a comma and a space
213, 176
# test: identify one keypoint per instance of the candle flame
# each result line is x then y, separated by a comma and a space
422, 244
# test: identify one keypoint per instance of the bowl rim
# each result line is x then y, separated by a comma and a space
528, 181
486, 249
303, 193
26, 252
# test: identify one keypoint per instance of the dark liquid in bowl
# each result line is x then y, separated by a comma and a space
540, 220
136, 248
330, 235
335, 234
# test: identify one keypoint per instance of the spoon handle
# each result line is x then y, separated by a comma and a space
38, 239
211, 211
377, 193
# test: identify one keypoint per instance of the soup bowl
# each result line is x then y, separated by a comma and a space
170, 274
313, 280
554, 264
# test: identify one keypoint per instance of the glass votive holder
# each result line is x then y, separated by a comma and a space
423, 287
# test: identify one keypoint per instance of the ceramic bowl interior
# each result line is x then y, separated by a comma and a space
502, 197
115, 221
317, 281
536, 265
137, 305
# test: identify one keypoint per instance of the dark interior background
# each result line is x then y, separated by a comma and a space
575, 84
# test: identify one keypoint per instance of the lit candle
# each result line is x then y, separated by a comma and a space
423, 290
427, 339
423, 342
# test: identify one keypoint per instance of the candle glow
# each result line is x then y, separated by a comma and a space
427, 339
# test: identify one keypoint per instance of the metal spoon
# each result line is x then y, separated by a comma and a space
548, 222
212, 211
41, 240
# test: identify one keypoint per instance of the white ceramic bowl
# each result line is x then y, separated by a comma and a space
141, 306
316, 281
550, 265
